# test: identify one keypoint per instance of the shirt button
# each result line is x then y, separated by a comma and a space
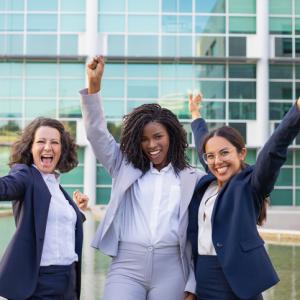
150, 249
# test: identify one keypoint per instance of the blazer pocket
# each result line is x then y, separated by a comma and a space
251, 244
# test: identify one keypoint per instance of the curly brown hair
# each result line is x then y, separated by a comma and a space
21, 149
132, 131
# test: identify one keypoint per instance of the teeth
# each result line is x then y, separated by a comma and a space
154, 152
222, 170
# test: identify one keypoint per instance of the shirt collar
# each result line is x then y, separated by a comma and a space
51, 177
167, 168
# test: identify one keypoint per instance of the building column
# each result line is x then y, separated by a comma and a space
262, 72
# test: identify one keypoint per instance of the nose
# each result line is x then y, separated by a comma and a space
218, 159
48, 146
152, 143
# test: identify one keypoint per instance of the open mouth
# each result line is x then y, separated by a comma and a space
154, 154
222, 170
46, 160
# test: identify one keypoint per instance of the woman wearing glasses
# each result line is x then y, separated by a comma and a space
230, 259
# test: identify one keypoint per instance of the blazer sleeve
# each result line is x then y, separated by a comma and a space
274, 153
106, 149
191, 281
200, 130
13, 185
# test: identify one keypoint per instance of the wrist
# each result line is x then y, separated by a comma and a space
94, 87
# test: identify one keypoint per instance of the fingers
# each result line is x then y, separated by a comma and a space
95, 61
81, 199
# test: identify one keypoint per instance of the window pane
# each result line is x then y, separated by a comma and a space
213, 110
69, 44
242, 71
12, 5
297, 7
282, 197
242, 90
114, 70
169, 46
111, 5
210, 6
143, 6
251, 156
143, 24
11, 44
280, 7
41, 44
113, 88
42, 22
70, 87
72, 23
210, 24
69, 108
40, 87
74, 176
111, 23
35, 69
10, 69
10, 88
184, 24
285, 177
114, 109
102, 195
212, 89
103, 176
71, 5
72, 69
142, 89
142, 70
210, 46
278, 110
185, 46
297, 47
11, 22
297, 26
244, 110
280, 25
185, 6
245, 6
42, 5
169, 24
210, 71
298, 158
169, 5
281, 90
281, 71
237, 46
241, 128
36, 107
10, 108
298, 196
142, 45
116, 45
283, 47
242, 25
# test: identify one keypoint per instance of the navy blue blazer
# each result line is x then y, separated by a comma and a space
239, 247
19, 266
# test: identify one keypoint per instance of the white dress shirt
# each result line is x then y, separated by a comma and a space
59, 240
151, 214
205, 244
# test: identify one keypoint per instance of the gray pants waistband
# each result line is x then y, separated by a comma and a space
150, 248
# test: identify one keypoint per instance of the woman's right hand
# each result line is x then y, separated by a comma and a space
95, 69
195, 102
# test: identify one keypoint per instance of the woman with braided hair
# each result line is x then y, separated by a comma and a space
144, 228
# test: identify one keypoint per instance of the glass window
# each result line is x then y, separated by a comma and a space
131, 104
35, 69
11, 44
116, 45
10, 88
71, 5
240, 127
173, 89
142, 70
143, 89
111, 23
176, 70
103, 176
75, 176
169, 46
72, 23
285, 177
112, 88
297, 26
278, 110
246, 6
12, 5
42, 5
169, 5
184, 24
70, 87
185, 47
37, 107
297, 152
11, 69
237, 46
212, 89
251, 156
40, 88
10, 108
185, 6
143, 45
143, 24
280, 7
238, 110
114, 70
69, 44
41, 44
211, 46
210, 6
282, 197
242, 90
242, 71
281, 90
102, 195
280, 25
297, 47
297, 7
281, 71
210, 71
210, 24
242, 24
69, 108
169, 24
298, 196
114, 109
111, 5
283, 47
42, 22
11, 22
143, 6
214, 110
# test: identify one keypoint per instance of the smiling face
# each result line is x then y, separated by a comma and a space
224, 161
46, 149
155, 144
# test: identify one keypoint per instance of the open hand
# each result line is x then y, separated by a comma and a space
195, 102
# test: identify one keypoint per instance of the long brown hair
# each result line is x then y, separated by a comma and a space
235, 138
21, 149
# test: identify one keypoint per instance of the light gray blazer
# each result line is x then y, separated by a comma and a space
124, 175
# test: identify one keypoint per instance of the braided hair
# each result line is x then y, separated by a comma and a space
132, 132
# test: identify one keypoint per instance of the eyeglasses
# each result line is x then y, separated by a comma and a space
223, 155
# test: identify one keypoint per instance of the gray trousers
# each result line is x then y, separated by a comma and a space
145, 273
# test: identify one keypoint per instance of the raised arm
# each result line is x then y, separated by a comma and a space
274, 153
103, 143
198, 125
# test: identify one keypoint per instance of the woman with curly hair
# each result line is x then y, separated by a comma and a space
144, 228
43, 259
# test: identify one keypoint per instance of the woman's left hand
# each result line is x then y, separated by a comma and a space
81, 200
189, 296
298, 103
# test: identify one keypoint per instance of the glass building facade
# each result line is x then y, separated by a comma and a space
243, 56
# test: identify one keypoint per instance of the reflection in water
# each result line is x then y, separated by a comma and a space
285, 258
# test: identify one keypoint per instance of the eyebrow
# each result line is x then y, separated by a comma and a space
225, 148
